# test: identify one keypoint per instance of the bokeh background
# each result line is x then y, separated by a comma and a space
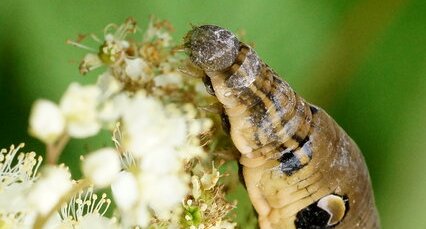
364, 61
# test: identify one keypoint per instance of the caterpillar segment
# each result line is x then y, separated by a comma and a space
300, 168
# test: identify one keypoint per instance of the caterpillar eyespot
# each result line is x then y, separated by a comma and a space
300, 168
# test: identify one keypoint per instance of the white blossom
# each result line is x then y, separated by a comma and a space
138, 215
163, 194
86, 210
94, 221
54, 183
149, 128
20, 169
136, 68
112, 109
112, 102
162, 161
79, 105
108, 85
125, 190
47, 122
198, 126
90, 62
102, 166
17, 175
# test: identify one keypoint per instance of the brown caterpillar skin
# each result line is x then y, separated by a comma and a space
300, 168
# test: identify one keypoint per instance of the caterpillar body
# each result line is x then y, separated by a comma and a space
300, 168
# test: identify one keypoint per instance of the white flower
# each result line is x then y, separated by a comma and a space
200, 126
118, 38
21, 169
86, 210
113, 108
136, 68
19, 220
47, 122
136, 195
108, 85
17, 175
94, 221
149, 128
136, 216
142, 216
79, 105
163, 194
102, 166
125, 190
162, 161
90, 62
46, 192
112, 102
12, 198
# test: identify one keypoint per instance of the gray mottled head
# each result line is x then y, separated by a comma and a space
211, 47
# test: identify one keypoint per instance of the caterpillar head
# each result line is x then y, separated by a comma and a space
211, 47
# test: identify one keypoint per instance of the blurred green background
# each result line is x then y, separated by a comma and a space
363, 61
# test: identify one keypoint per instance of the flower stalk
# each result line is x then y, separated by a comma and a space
42, 219
54, 150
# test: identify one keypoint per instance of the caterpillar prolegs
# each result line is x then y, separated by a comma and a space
300, 168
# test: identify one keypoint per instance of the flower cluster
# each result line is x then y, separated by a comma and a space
159, 172
28, 198
17, 176
206, 205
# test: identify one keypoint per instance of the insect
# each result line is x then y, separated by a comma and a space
300, 168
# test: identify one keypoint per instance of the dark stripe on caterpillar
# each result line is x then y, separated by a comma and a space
242, 53
289, 162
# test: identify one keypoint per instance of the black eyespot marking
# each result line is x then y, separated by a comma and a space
323, 215
312, 217
289, 163
208, 84
226, 126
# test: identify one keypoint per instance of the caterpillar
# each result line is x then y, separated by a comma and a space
300, 168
